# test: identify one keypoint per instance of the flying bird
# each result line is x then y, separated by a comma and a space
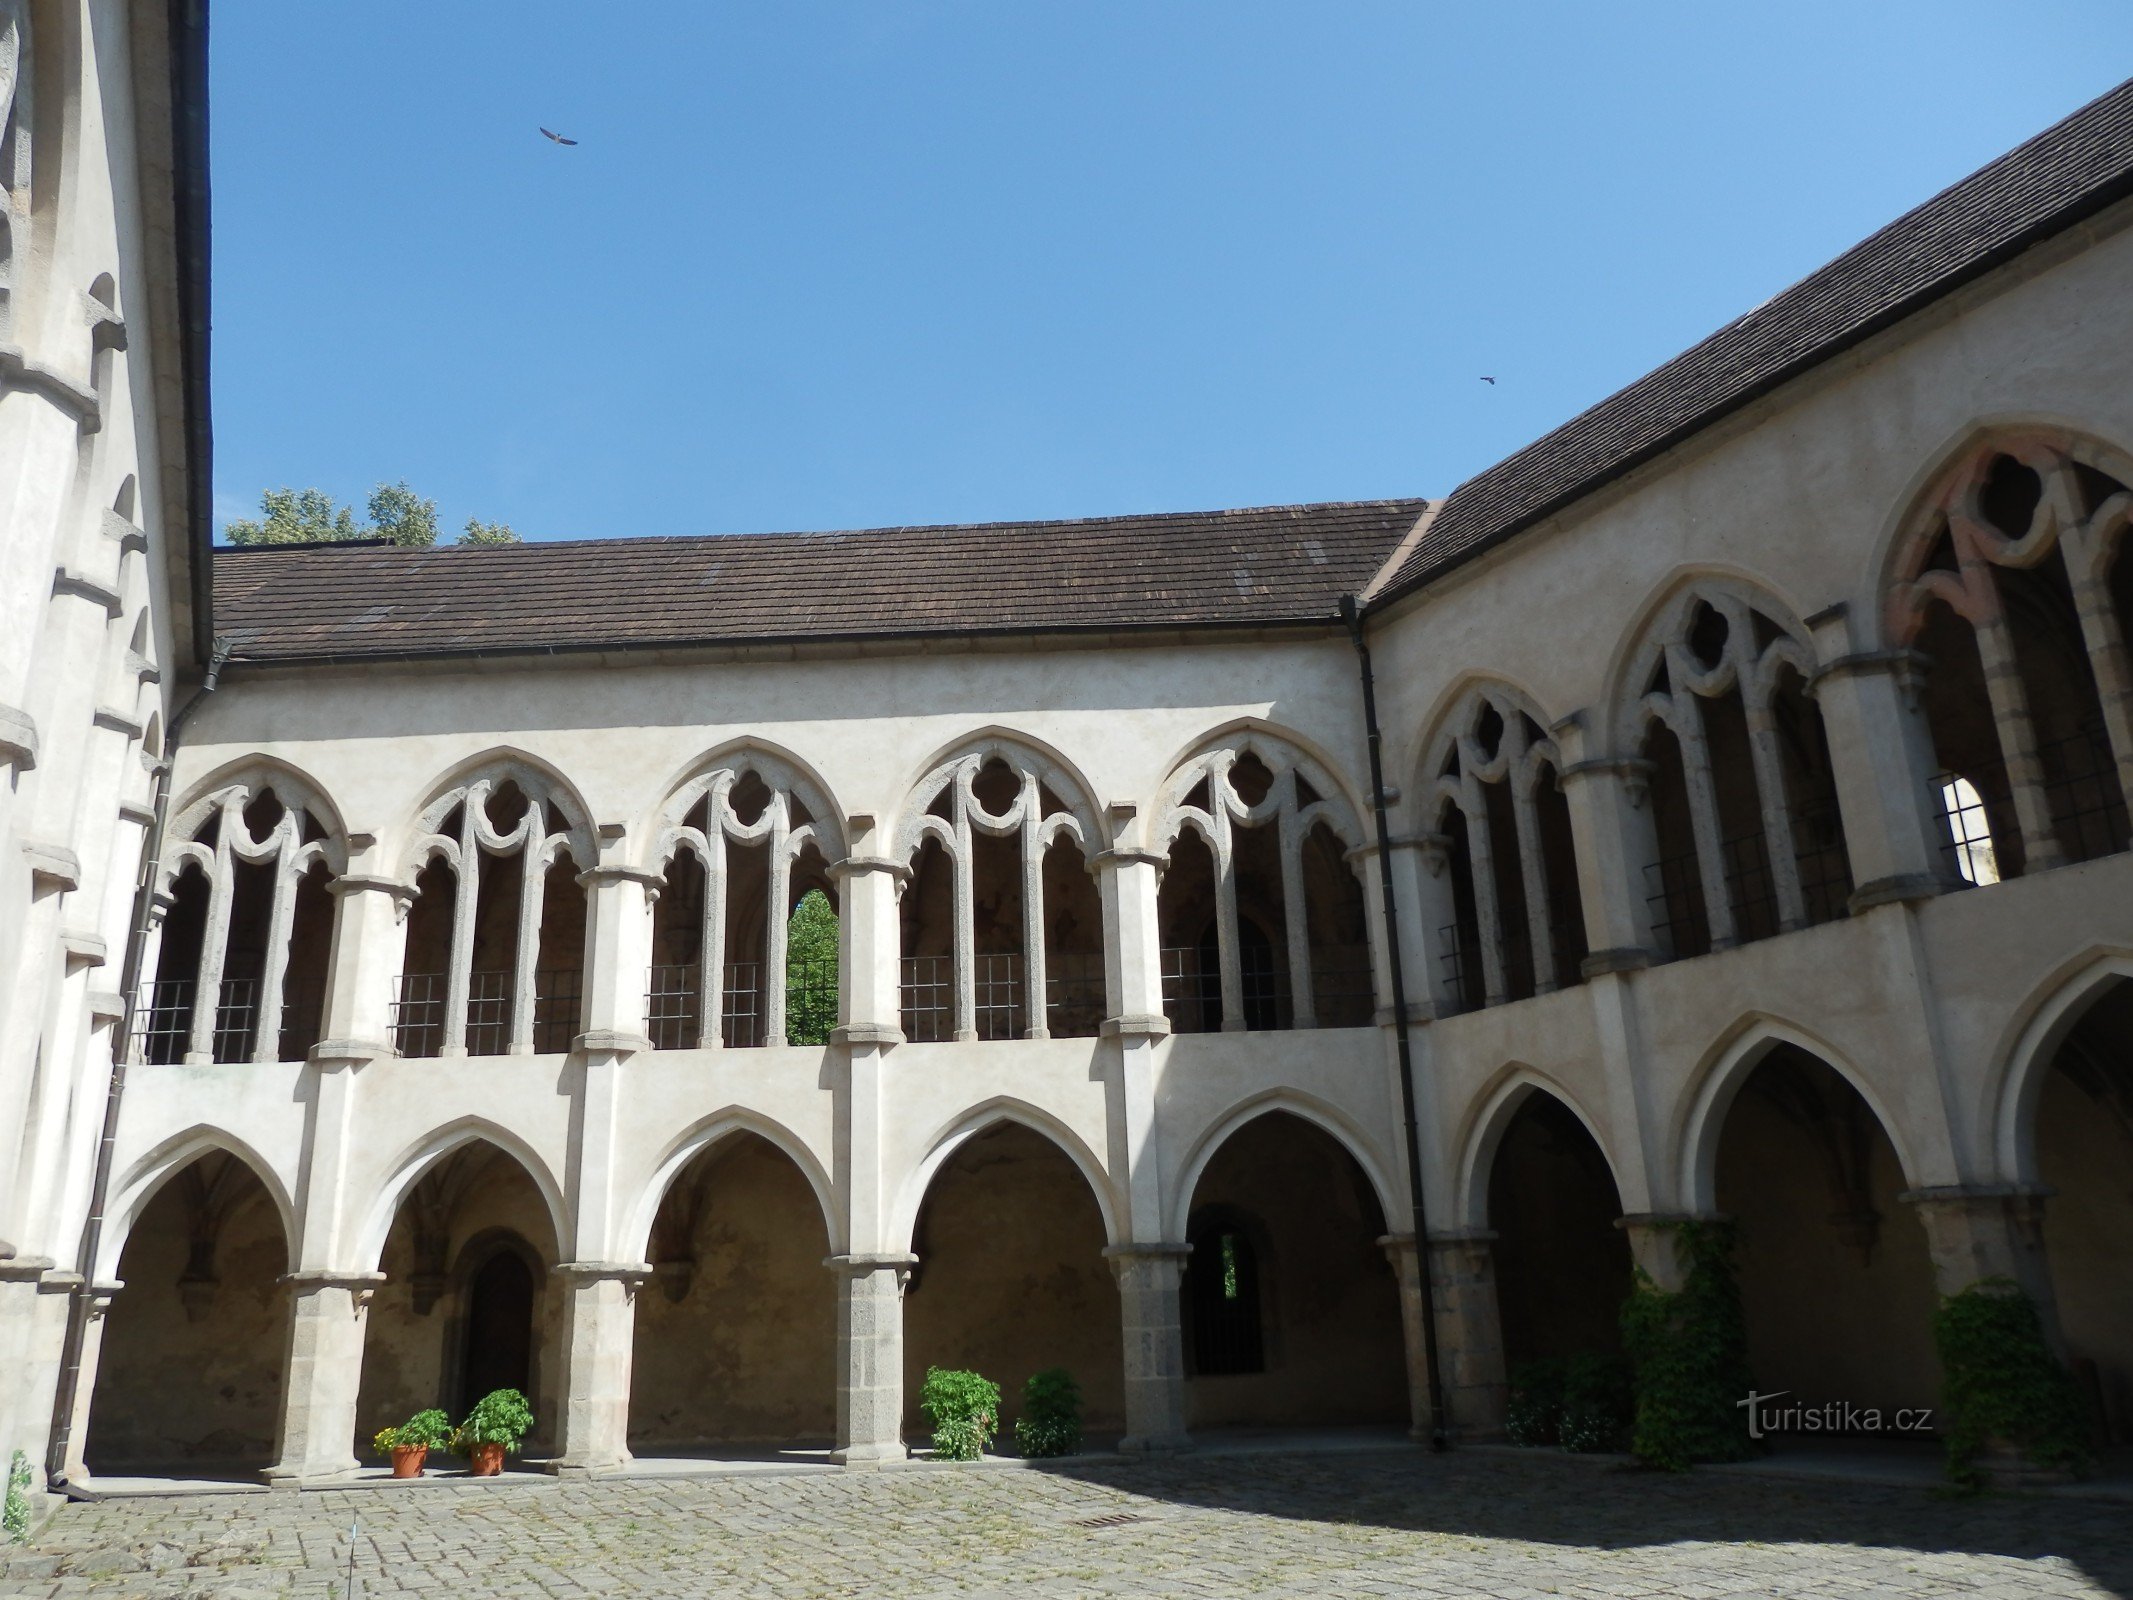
557, 137
1490, 381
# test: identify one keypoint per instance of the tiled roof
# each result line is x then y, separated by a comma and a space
1279, 564
2068, 172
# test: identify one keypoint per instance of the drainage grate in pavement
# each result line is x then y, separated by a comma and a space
1111, 1519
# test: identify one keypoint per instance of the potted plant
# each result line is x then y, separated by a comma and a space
493, 1429
409, 1444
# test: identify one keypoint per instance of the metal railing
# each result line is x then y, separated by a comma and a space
927, 996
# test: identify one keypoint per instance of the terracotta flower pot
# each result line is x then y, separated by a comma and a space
408, 1459
485, 1460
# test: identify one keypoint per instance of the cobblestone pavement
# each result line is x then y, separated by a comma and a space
1324, 1526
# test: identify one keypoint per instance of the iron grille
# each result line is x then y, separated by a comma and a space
418, 1014
928, 998
674, 1006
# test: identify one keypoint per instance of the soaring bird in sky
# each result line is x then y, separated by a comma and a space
557, 137
1491, 382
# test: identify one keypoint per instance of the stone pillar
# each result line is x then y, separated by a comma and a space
1613, 837
870, 941
1399, 1248
596, 1365
870, 1358
1655, 1246
618, 951
1470, 1359
21, 1278
1881, 752
369, 944
76, 1466
321, 1376
1154, 1339
1982, 1231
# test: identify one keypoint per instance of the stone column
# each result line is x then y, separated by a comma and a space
596, 1365
1470, 1359
870, 1358
1881, 752
618, 952
1655, 1246
369, 944
1980, 1231
1613, 837
321, 1376
1399, 1248
76, 1466
870, 942
1154, 1338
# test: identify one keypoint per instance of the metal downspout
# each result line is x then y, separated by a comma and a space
1439, 1423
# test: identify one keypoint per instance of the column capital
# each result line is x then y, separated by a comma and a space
617, 1043
1141, 1025
327, 1278
1127, 857
330, 1055
860, 1265
372, 883
600, 877
860, 866
1133, 1250
876, 1034
1964, 1194
628, 1273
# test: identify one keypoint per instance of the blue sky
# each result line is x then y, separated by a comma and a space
821, 264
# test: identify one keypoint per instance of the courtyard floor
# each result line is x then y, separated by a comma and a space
1394, 1522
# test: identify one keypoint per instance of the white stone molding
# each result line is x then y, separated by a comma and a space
548, 830
1461, 767
1028, 822
787, 837
291, 856
16, 91
2087, 540
1751, 667
1293, 820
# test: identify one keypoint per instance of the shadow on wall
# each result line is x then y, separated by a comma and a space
1556, 1501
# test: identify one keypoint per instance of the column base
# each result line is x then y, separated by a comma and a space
1156, 1444
293, 1478
868, 1457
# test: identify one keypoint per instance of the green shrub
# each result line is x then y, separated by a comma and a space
499, 1417
15, 1518
1689, 1353
431, 1428
2000, 1381
1535, 1410
1050, 1424
964, 1410
1599, 1404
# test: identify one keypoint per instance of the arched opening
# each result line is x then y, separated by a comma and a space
737, 1332
505, 862
1562, 1266
1305, 1327
2084, 1133
2019, 615
1185, 913
470, 1302
1673, 883
1836, 1282
1011, 1277
246, 936
190, 1370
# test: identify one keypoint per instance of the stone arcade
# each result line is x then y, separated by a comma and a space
1757, 749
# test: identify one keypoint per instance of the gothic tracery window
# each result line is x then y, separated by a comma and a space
495, 950
2015, 584
1003, 934
1741, 789
1499, 811
239, 972
1260, 911
751, 845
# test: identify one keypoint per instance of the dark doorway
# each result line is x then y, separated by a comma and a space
499, 1349
1222, 1285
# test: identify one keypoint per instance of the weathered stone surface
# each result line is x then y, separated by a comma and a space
1378, 1523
